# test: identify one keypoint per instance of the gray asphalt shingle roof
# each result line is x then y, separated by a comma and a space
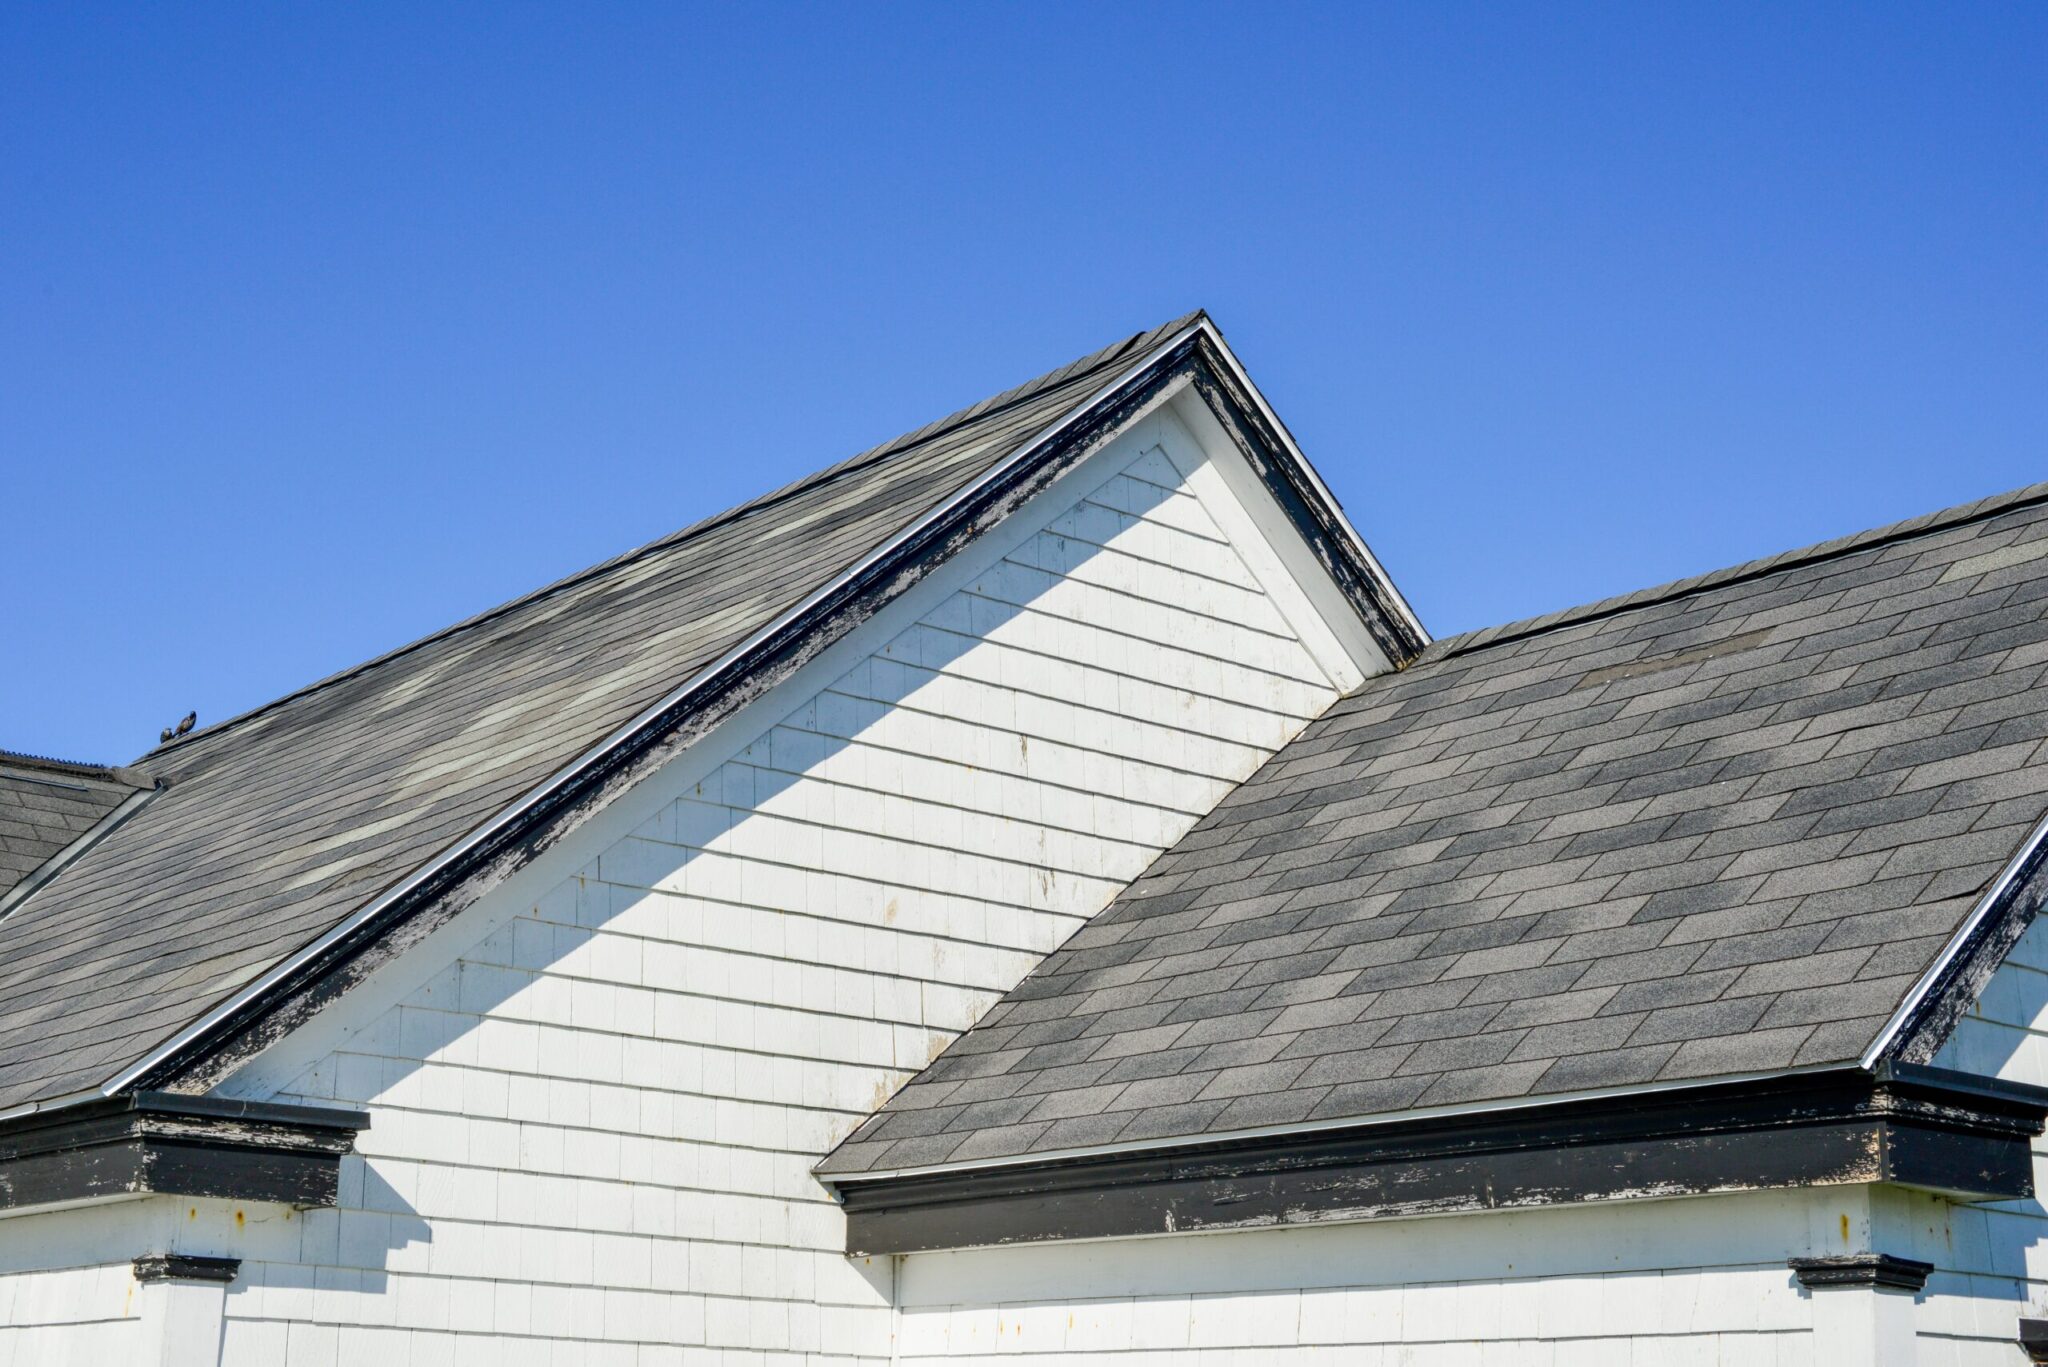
47, 804
1709, 829
276, 826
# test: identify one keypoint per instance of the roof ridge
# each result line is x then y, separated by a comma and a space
1052, 380
46, 761
1464, 643
113, 773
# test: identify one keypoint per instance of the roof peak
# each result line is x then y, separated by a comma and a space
1925, 524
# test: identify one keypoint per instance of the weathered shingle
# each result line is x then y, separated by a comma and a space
277, 825
1712, 828
45, 805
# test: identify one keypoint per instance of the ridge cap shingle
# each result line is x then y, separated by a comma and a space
83, 770
1961, 514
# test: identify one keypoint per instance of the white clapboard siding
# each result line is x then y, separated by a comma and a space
68, 1317
593, 1130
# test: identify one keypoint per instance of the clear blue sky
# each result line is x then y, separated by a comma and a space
321, 327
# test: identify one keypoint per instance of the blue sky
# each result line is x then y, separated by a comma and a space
322, 327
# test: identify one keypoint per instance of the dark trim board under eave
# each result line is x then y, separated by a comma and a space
1914, 1126
157, 1143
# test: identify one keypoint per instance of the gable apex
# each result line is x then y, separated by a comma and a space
729, 606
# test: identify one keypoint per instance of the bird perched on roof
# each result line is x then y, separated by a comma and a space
191, 720
169, 733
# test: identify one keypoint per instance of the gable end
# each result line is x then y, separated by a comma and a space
1196, 356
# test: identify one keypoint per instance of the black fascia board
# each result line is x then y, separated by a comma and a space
1930, 1128
164, 1143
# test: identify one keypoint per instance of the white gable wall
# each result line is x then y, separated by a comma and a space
593, 1123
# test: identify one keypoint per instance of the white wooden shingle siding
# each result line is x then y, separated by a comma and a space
1690, 1282
79, 1316
593, 1130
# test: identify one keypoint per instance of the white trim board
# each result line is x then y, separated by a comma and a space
1730, 1229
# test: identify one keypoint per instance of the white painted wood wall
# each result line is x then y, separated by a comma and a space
77, 1316
1672, 1282
68, 1295
593, 1128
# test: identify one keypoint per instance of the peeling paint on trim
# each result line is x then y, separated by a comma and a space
1929, 1128
1923, 1021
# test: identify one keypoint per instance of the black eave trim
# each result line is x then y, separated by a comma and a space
158, 1142
1923, 1127
1266, 450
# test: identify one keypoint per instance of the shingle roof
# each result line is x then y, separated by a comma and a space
1711, 829
276, 826
46, 804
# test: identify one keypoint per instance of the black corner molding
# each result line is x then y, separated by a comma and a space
176, 1145
1930, 1128
1861, 1269
185, 1267
2034, 1340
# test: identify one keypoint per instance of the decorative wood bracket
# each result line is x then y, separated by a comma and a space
185, 1267
177, 1145
1862, 1269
